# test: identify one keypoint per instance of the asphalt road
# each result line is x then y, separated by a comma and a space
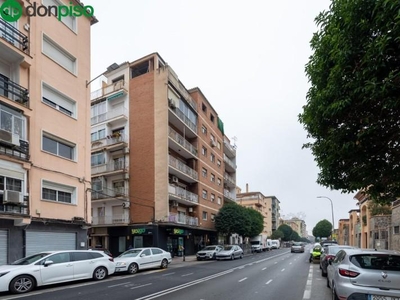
277, 274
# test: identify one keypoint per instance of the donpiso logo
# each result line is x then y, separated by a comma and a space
11, 10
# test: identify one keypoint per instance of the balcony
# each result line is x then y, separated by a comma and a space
17, 206
181, 170
180, 145
182, 196
230, 166
183, 219
179, 120
111, 91
229, 180
173, 79
109, 194
110, 168
229, 150
19, 151
13, 91
110, 142
13, 36
117, 219
229, 195
117, 114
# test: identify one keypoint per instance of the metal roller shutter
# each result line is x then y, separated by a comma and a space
3, 247
38, 241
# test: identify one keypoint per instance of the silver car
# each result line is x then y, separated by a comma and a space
230, 252
365, 274
209, 252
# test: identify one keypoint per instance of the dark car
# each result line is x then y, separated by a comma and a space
329, 253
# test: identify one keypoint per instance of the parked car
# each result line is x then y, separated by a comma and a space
297, 247
230, 252
52, 267
208, 252
329, 253
137, 259
364, 274
329, 243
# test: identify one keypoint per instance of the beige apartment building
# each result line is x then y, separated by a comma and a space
159, 161
343, 232
44, 132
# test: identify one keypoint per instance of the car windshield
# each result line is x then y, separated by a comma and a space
297, 244
334, 249
30, 259
131, 253
255, 243
376, 261
210, 248
227, 248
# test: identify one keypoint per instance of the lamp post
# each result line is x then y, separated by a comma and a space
333, 219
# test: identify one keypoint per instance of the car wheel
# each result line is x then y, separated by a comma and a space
22, 284
133, 268
164, 264
214, 256
323, 273
232, 257
241, 255
327, 282
100, 273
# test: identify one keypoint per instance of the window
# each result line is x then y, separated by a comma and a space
212, 217
218, 163
204, 129
98, 135
212, 118
58, 101
68, 20
205, 215
204, 194
203, 107
219, 145
219, 181
204, 172
12, 121
204, 151
212, 157
219, 200
98, 159
98, 183
212, 177
10, 184
57, 147
58, 54
212, 138
58, 192
212, 197
396, 229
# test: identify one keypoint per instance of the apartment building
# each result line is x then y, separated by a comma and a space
44, 131
275, 212
297, 225
343, 232
157, 160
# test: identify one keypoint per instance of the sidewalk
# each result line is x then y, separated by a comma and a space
180, 260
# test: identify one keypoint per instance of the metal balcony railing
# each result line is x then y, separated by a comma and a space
109, 193
109, 167
184, 194
13, 36
229, 146
185, 119
229, 178
177, 164
108, 89
120, 111
182, 90
183, 219
111, 220
109, 140
229, 162
13, 91
182, 141
229, 194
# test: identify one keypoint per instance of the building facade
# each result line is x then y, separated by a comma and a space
170, 165
44, 168
343, 233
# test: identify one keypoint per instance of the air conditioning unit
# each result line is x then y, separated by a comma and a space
78, 219
213, 143
171, 103
126, 204
175, 203
12, 197
175, 179
9, 137
190, 209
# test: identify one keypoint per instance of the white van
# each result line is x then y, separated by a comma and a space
276, 244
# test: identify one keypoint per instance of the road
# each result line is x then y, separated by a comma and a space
277, 274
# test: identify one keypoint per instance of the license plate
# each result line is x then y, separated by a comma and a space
377, 297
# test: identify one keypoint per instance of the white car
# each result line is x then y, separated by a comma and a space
137, 259
52, 267
230, 252
208, 252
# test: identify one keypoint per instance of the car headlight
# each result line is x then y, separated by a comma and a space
121, 264
2, 274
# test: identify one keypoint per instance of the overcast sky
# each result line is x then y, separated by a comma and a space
248, 58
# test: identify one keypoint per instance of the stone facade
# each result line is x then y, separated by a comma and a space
395, 235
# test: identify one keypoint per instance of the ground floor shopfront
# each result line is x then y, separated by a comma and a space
20, 241
178, 240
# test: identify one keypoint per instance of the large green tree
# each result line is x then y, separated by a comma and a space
256, 222
277, 234
287, 232
322, 229
353, 104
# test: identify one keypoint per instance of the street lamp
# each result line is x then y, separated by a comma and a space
333, 219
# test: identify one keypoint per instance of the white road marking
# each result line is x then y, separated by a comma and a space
184, 275
269, 281
168, 274
263, 269
136, 287
276, 262
243, 279
282, 270
118, 284
307, 290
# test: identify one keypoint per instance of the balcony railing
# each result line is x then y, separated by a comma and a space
109, 167
109, 140
229, 178
184, 194
14, 36
116, 112
183, 219
229, 162
182, 141
185, 119
111, 220
106, 90
175, 82
109, 193
13, 91
229, 146
177, 164
229, 194
19, 152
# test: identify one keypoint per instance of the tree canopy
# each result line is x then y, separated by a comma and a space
353, 104
287, 232
276, 235
233, 218
322, 229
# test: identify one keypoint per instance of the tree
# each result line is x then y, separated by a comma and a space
277, 234
352, 106
295, 236
287, 231
256, 222
322, 229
